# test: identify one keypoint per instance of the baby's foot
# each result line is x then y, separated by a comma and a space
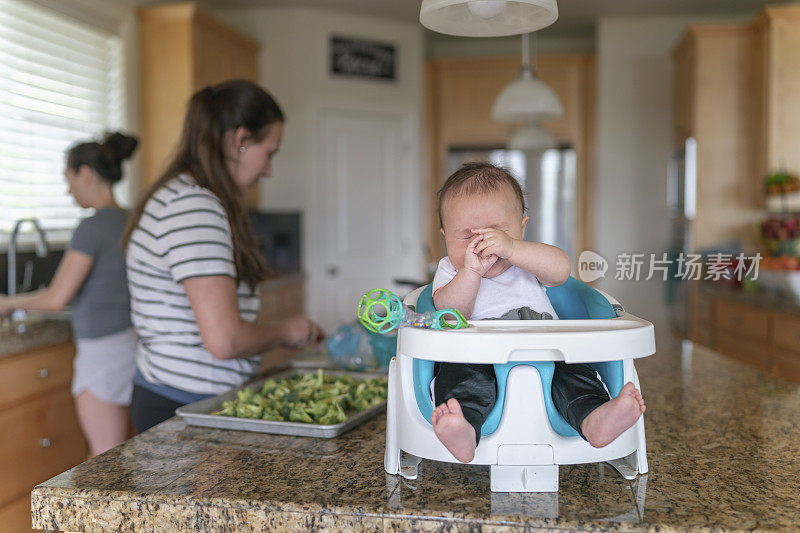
453, 430
611, 419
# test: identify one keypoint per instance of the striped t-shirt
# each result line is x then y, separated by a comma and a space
182, 233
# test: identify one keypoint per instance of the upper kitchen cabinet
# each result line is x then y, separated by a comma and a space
715, 101
737, 92
778, 73
183, 49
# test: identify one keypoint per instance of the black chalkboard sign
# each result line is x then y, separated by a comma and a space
364, 59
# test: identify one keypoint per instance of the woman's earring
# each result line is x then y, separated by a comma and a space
242, 149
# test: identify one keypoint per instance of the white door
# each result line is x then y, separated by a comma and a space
366, 211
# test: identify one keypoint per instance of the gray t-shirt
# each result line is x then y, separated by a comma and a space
101, 306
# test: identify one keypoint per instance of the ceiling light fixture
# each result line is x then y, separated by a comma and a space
531, 138
527, 98
487, 18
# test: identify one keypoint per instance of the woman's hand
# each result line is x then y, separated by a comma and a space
495, 242
299, 331
474, 260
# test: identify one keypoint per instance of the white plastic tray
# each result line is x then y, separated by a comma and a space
503, 341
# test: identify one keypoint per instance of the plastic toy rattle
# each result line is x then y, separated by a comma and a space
381, 311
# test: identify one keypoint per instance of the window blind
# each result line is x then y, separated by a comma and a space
60, 83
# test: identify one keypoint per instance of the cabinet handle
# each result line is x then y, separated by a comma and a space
45, 442
43, 373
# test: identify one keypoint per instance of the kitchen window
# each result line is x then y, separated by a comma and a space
60, 83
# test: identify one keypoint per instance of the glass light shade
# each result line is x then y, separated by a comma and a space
487, 18
526, 99
531, 138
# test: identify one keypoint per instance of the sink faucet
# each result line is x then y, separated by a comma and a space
41, 250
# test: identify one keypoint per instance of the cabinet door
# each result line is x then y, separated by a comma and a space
220, 54
46, 440
35, 372
16, 516
683, 62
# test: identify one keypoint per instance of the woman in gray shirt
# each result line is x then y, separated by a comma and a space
92, 276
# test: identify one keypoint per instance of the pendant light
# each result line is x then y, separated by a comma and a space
531, 138
527, 99
487, 18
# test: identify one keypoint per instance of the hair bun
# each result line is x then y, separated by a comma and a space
119, 146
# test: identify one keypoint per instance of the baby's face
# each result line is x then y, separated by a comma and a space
461, 214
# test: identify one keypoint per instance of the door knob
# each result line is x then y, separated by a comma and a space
332, 271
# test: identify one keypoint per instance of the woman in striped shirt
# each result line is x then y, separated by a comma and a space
192, 261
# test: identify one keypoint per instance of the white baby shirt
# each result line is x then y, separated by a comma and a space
512, 289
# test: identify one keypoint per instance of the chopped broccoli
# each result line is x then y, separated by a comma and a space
316, 398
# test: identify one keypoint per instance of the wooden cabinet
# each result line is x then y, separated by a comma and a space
736, 91
182, 50
460, 94
785, 336
280, 299
777, 67
714, 84
701, 315
751, 333
42, 437
742, 332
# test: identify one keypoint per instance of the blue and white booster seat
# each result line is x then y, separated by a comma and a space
524, 439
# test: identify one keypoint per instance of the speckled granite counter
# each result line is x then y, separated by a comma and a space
723, 442
35, 333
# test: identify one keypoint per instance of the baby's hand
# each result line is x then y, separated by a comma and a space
477, 262
495, 242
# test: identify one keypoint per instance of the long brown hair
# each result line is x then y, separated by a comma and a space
212, 112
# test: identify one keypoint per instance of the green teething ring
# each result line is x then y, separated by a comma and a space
374, 322
453, 314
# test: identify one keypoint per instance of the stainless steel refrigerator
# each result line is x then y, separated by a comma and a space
548, 180
682, 204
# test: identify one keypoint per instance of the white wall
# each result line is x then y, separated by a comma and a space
293, 66
634, 143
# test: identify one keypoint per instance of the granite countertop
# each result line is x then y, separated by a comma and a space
762, 298
34, 332
723, 442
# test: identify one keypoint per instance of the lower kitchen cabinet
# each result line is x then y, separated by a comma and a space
751, 332
42, 437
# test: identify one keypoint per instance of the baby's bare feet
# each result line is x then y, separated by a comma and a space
453, 430
611, 419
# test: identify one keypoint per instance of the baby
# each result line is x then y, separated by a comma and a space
489, 272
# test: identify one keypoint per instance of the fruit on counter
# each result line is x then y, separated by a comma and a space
781, 182
781, 228
780, 262
316, 398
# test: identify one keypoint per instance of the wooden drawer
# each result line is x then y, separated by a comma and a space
35, 372
16, 516
743, 320
45, 441
752, 352
786, 331
786, 365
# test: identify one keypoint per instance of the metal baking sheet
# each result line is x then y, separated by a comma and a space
199, 413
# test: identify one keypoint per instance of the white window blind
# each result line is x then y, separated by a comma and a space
60, 83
